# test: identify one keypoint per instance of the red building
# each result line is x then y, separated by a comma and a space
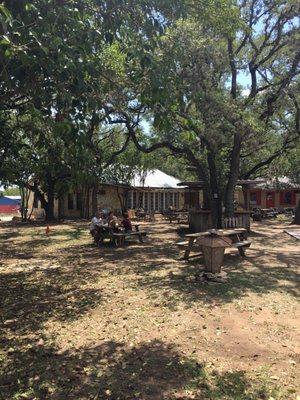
278, 193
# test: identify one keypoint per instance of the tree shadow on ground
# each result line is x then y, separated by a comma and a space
290, 260
29, 299
177, 281
244, 276
29, 248
112, 370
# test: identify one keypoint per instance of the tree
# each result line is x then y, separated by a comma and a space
191, 90
52, 93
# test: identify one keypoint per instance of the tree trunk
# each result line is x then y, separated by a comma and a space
122, 199
206, 199
297, 214
49, 205
215, 193
24, 192
233, 175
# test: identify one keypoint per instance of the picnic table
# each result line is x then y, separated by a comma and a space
118, 237
238, 237
268, 213
179, 216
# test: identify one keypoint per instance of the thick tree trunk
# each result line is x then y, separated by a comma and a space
122, 199
297, 214
233, 175
206, 199
24, 192
215, 193
49, 205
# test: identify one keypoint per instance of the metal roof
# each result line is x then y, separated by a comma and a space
155, 179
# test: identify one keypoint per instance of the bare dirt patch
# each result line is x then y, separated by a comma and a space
80, 322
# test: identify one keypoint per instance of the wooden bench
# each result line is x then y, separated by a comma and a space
119, 237
187, 249
237, 236
241, 246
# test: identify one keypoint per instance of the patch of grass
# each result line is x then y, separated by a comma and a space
211, 384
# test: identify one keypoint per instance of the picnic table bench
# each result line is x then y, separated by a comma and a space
179, 216
118, 237
236, 235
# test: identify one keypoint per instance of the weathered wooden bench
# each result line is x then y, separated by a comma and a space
191, 245
119, 237
241, 246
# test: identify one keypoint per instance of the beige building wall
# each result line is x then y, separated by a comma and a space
108, 198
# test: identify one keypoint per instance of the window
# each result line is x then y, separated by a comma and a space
70, 201
128, 200
146, 201
176, 201
79, 204
134, 200
253, 198
287, 197
140, 202
156, 202
151, 201
162, 206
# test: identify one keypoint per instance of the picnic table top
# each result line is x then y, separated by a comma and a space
221, 232
293, 233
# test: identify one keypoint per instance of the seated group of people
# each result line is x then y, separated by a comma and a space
100, 221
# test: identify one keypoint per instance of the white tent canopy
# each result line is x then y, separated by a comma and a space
154, 179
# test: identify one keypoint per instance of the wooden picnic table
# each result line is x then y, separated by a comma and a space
236, 235
179, 216
118, 237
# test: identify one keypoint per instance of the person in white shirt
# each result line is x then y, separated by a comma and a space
96, 222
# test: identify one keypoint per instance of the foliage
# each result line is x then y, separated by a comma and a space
192, 91
11, 191
80, 78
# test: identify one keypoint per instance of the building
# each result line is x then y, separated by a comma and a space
152, 191
157, 191
10, 204
279, 193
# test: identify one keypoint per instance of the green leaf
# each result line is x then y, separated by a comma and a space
5, 12
7, 53
5, 41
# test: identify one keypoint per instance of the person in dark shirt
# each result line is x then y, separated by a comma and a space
126, 223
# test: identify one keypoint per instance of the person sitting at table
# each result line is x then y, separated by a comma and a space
126, 223
112, 221
96, 223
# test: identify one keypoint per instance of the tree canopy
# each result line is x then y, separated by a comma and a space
215, 83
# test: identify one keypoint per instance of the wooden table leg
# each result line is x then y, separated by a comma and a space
189, 248
241, 251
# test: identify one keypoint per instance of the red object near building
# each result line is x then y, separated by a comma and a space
9, 205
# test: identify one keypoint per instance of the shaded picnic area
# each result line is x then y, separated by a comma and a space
133, 322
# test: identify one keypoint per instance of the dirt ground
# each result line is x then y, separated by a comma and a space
81, 322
